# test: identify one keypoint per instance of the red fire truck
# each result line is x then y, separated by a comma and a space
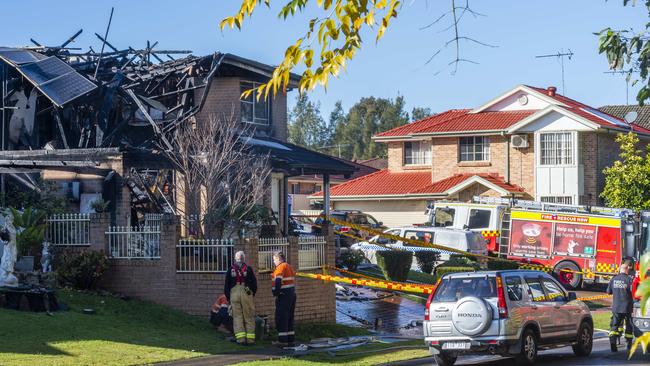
576, 242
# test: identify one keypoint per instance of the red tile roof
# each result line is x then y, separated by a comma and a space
387, 183
460, 120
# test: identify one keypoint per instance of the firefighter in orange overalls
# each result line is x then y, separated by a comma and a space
285, 299
240, 288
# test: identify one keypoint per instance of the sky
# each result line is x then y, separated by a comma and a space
397, 65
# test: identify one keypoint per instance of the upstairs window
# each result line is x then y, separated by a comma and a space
417, 153
253, 110
556, 148
474, 148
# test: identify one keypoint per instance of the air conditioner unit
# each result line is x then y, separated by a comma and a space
519, 141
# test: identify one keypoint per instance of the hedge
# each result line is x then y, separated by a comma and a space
441, 271
427, 260
502, 265
394, 264
456, 260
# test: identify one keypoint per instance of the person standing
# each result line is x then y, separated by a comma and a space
240, 288
620, 286
284, 290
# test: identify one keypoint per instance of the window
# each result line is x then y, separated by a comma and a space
479, 219
561, 200
475, 148
454, 289
295, 188
384, 240
444, 217
419, 235
553, 291
514, 288
535, 290
556, 148
253, 110
417, 153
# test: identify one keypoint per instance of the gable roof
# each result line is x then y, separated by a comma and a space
620, 111
415, 184
468, 121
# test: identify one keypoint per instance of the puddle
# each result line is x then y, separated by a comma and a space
363, 306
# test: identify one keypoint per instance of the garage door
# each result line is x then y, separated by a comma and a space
391, 213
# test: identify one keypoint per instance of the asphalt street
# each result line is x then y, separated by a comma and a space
601, 355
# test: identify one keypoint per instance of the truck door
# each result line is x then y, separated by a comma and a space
608, 249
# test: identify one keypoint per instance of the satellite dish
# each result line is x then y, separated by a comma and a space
631, 116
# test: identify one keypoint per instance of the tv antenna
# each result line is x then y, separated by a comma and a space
627, 81
560, 55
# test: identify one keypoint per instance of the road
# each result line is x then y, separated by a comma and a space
601, 355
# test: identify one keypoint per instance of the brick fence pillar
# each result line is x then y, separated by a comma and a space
170, 230
293, 256
99, 223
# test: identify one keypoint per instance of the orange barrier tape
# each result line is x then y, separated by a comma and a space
384, 285
420, 243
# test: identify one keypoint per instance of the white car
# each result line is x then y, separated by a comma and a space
465, 240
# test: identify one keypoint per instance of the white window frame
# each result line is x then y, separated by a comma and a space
420, 156
253, 102
564, 155
485, 151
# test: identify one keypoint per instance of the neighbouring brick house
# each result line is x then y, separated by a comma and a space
528, 143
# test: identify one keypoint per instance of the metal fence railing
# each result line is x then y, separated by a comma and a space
126, 242
268, 246
204, 255
153, 219
311, 252
68, 229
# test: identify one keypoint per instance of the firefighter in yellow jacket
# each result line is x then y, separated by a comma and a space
285, 299
240, 288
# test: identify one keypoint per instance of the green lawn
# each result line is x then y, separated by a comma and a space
120, 333
601, 319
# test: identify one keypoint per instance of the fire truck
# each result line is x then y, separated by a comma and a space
578, 243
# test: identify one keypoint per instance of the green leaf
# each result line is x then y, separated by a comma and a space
644, 265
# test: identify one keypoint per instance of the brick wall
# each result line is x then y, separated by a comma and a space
597, 152
194, 293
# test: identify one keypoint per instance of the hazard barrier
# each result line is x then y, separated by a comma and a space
400, 286
419, 243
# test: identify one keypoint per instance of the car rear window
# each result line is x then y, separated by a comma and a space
454, 289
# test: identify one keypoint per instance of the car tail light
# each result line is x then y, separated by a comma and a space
344, 229
501, 300
635, 284
427, 305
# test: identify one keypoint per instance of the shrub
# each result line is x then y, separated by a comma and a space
427, 260
502, 265
457, 260
29, 241
441, 271
395, 264
80, 270
351, 259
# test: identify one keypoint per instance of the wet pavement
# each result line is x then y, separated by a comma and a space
397, 315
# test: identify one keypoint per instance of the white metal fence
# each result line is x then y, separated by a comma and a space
268, 246
68, 229
153, 219
311, 252
204, 255
133, 243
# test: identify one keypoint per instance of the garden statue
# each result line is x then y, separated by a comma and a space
46, 258
9, 254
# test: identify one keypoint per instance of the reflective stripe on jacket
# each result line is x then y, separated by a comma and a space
283, 278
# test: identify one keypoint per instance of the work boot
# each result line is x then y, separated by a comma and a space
612, 345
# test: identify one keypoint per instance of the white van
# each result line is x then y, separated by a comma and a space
464, 240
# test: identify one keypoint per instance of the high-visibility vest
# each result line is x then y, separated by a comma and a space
285, 273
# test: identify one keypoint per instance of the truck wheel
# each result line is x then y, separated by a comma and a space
528, 353
445, 359
585, 341
566, 273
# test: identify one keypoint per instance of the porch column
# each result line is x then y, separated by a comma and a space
326, 195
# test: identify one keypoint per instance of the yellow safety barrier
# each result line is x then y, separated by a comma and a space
384, 285
419, 243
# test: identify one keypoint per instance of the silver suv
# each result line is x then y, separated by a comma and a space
507, 313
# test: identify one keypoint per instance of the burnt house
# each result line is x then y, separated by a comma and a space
97, 123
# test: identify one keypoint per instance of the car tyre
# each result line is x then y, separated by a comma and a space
529, 345
585, 341
445, 359
570, 280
